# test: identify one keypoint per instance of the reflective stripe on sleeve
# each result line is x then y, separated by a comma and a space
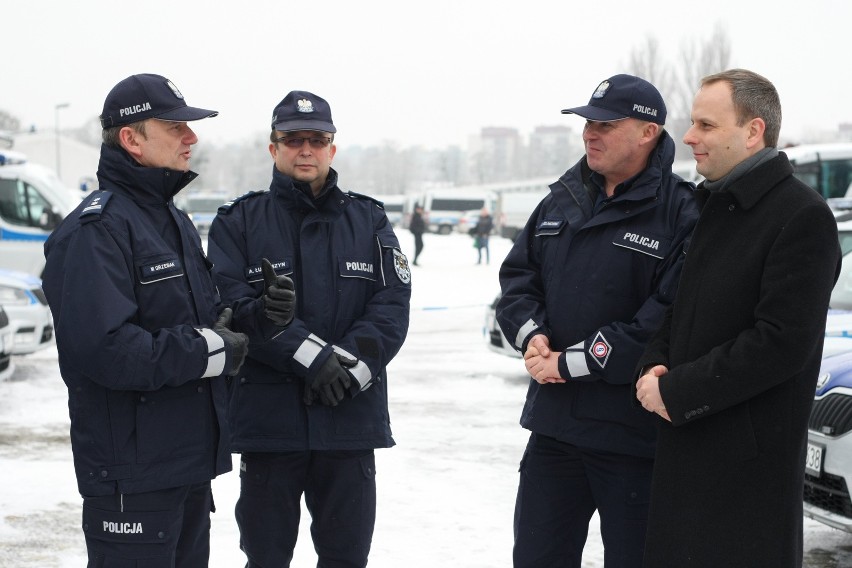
575, 360
215, 352
361, 371
525, 330
308, 351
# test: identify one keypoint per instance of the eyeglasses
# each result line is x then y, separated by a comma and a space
297, 142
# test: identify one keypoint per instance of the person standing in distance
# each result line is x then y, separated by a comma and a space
312, 405
584, 287
417, 226
482, 232
144, 345
731, 373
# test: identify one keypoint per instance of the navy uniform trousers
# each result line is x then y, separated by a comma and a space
169, 528
340, 494
560, 488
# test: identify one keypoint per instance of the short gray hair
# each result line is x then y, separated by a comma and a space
754, 96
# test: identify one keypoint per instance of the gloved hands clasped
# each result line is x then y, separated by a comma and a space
236, 344
279, 298
331, 381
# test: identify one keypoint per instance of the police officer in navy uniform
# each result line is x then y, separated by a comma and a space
583, 288
144, 347
312, 404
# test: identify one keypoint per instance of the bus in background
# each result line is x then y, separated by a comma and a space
825, 167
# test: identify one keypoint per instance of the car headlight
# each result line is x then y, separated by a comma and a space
10, 296
822, 380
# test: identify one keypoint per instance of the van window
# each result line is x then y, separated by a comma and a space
21, 204
456, 204
831, 178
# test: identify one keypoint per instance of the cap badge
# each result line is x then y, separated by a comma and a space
305, 105
601, 90
174, 89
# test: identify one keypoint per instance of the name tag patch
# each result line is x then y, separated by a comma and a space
254, 273
352, 268
646, 244
549, 226
160, 270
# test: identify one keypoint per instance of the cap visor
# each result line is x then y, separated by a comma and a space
315, 125
186, 114
595, 113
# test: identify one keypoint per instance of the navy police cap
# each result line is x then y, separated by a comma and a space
623, 96
301, 110
144, 96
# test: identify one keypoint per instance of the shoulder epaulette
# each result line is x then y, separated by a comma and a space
226, 207
94, 205
362, 196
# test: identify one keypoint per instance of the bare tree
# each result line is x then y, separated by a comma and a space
699, 59
8, 122
679, 80
647, 62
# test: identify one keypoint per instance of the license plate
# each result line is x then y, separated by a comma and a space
814, 458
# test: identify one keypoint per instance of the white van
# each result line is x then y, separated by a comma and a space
394, 206
444, 209
32, 202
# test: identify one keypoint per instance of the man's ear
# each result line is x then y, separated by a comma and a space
129, 140
650, 132
756, 129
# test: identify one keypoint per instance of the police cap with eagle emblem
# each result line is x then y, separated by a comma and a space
623, 96
301, 110
144, 96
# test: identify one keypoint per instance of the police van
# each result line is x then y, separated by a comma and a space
32, 202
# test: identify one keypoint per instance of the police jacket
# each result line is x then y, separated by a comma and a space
133, 302
353, 287
597, 284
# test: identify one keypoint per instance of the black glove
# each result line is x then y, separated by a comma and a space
236, 344
331, 381
279, 301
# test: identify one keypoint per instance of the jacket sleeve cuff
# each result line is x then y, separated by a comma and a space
217, 355
360, 372
573, 363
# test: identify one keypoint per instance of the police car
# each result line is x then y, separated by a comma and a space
494, 338
828, 461
30, 320
6, 365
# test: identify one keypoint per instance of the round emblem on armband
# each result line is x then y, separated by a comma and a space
400, 265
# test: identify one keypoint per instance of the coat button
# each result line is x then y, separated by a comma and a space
161, 535
104, 473
731, 207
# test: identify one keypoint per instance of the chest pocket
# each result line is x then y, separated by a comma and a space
643, 242
156, 269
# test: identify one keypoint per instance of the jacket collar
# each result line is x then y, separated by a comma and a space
120, 173
644, 185
751, 187
298, 192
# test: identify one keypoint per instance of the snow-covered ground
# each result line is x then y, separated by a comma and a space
446, 491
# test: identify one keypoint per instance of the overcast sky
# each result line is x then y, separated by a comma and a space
415, 72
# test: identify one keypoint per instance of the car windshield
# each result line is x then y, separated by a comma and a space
841, 296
